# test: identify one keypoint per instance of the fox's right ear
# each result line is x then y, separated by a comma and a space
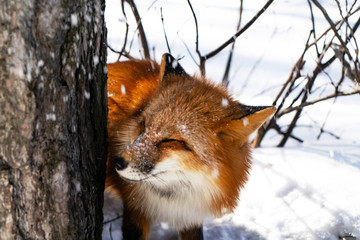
170, 66
243, 125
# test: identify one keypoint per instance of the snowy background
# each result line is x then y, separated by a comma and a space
302, 191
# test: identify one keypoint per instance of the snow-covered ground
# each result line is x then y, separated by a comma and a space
307, 192
303, 191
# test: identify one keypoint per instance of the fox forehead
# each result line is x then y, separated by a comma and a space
199, 104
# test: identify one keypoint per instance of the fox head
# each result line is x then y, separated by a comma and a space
189, 133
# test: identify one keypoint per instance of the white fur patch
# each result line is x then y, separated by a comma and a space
245, 121
131, 173
224, 102
180, 197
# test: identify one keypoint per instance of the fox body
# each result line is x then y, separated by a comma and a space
178, 146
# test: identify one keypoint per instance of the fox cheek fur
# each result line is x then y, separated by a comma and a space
178, 146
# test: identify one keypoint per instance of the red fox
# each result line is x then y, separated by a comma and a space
178, 146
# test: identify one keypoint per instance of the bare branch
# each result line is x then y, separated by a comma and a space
278, 129
202, 59
110, 231
188, 50
313, 26
295, 74
333, 27
126, 28
238, 33
197, 29
305, 104
140, 27
225, 80
121, 53
112, 220
338, 25
166, 39
326, 118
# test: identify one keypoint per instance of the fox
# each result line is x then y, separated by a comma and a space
178, 148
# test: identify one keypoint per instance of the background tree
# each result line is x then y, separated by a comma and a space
52, 119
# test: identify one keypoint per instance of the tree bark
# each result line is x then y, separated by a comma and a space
52, 119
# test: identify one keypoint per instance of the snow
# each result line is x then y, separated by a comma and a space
123, 90
74, 20
174, 64
224, 102
87, 94
50, 117
301, 193
292, 193
40, 63
305, 191
96, 60
65, 99
245, 121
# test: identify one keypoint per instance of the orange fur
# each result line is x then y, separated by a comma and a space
130, 85
162, 119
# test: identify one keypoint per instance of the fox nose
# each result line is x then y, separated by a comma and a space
120, 163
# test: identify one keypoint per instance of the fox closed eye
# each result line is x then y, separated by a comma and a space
172, 142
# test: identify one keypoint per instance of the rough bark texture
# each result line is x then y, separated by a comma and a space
52, 119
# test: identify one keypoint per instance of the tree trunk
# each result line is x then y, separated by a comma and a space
52, 119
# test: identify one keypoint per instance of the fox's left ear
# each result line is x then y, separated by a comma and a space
170, 66
248, 121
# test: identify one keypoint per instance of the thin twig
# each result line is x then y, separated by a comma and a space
122, 53
338, 24
140, 27
295, 74
278, 129
126, 29
166, 39
202, 59
196, 27
238, 33
333, 27
354, 76
305, 104
188, 50
112, 220
326, 118
313, 26
110, 232
225, 80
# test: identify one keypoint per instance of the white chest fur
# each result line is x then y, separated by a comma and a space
182, 203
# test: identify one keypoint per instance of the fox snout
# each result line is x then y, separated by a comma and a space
143, 165
136, 162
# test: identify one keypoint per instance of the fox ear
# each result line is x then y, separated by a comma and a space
248, 121
169, 65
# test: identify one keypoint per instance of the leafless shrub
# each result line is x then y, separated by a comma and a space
336, 46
